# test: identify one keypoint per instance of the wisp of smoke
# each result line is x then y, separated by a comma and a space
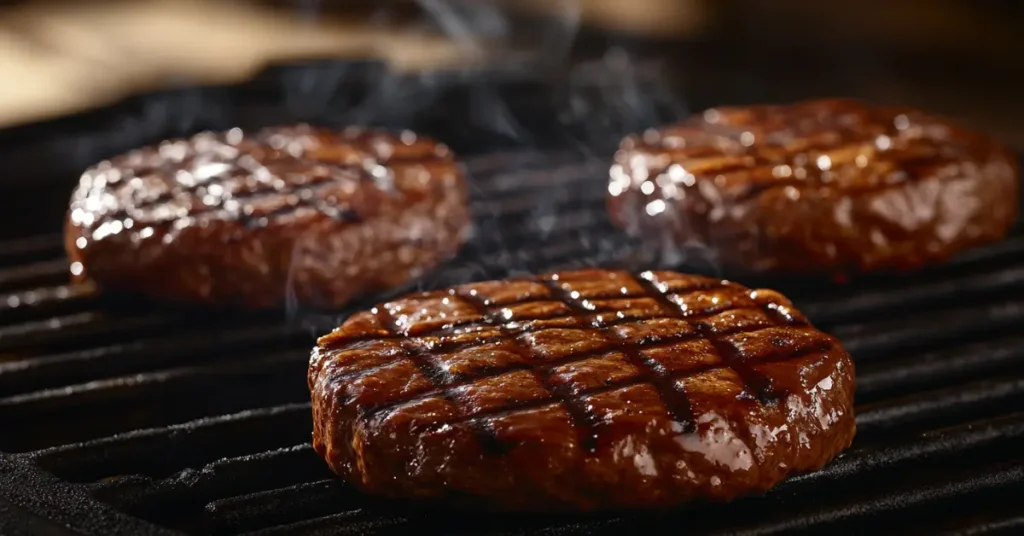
593, 103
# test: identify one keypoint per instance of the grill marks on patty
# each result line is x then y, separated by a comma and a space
828, 186
235, 218
625, 395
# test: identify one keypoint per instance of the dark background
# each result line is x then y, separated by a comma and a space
957, 57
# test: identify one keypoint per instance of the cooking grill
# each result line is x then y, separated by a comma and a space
119, 416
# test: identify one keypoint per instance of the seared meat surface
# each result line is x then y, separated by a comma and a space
830, 186
252, 219
580, 391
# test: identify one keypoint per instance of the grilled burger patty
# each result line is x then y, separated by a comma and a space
253, 218
580, 390
828, 186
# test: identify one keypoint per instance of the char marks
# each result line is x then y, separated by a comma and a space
583, 333
676, 403
583, 421
811, 144
823, 187
439, 380
272, 173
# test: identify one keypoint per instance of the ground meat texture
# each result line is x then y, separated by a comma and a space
580, 391
831, 187
255, 219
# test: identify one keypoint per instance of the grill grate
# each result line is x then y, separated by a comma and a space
123, 417
108, 406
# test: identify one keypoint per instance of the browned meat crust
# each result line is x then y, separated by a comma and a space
247, 218
829, 186
579, 391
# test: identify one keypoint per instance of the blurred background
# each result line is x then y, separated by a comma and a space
957, 57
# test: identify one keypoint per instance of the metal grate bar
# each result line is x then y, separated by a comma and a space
286, 505
33, 248
1008, 523
78, 329
944, 488
215, 345
47, 302
132, 405
186, 493
1004, 432
33, 274
159, 452
940, 407
500, 173
32, 405
1010, 248
334, 525
223, 478
519, 206
896, 377
875, 340
910, 294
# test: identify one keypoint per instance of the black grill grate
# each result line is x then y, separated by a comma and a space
198, 421
123, 417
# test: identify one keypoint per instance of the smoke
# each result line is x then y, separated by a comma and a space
468, 23
535, 129
175, 112
547, 122
619, 94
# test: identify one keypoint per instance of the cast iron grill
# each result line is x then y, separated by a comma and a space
119, 416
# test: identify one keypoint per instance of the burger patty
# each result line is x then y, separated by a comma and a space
253, 219
827, 186
580, 391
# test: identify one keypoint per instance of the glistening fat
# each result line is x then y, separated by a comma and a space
833, 187
580, 391
237, 218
